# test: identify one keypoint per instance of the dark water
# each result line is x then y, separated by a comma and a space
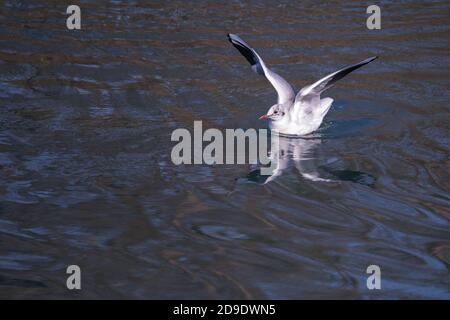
87, 179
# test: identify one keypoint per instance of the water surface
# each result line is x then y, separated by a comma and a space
87, 179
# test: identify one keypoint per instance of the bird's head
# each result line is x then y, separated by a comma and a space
275, 113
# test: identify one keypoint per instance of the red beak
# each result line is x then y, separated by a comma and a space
264, 117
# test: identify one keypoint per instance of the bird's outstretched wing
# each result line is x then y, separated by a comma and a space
283, 88
313, 91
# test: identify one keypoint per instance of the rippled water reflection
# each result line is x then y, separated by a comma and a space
86, 176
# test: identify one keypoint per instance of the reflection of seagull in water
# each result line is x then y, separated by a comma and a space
299, 151
294, 114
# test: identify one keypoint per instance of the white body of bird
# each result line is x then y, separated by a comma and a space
293, 114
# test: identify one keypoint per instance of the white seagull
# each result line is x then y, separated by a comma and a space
293, 114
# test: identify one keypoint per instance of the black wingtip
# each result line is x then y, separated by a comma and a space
230, 37
243, 48
368, 60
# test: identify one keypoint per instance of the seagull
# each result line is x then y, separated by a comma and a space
293, 114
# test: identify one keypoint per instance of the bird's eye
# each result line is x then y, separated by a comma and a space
276, 111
